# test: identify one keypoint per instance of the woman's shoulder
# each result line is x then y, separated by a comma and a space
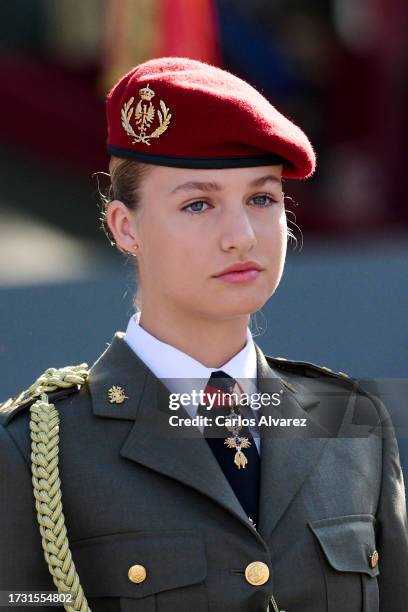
304, 368
300, 375
53, 385
58, 396
360, 396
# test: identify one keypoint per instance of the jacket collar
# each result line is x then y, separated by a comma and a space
185, 456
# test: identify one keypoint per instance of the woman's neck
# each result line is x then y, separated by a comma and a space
210, 342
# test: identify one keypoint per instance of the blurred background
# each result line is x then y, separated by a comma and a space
336, 67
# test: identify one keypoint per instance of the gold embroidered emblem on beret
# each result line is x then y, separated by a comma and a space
143, 117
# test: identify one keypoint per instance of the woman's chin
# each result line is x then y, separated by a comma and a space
246, 305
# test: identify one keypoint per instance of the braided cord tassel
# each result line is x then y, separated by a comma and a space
59, 378
274, 605
50, 380
44, 426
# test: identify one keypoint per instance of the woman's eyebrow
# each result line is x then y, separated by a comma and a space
264, 179
211, 186
196, 185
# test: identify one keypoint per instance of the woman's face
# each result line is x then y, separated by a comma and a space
193, 224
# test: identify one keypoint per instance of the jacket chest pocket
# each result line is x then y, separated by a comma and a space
145, 571
349, 561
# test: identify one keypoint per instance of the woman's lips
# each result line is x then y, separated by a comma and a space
240, 277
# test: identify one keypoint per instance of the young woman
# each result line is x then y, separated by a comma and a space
118, 487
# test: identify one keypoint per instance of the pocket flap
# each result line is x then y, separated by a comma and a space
348, 542
171, 558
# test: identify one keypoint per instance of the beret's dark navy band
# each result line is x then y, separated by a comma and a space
268, 159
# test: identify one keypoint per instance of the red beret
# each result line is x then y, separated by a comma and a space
175, 111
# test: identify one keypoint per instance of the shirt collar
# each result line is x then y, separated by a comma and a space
168, 362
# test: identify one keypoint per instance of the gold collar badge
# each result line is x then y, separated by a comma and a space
143, 116
117, 395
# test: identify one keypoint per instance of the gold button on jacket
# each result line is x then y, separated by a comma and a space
137, 573
257, 573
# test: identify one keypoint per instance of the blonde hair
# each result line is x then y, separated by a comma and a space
126, 177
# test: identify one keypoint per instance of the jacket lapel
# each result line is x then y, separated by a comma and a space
182, 455
288, 455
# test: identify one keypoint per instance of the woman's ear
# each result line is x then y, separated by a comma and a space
121, 222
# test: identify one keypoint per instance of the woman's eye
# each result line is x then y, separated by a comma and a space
196, 207
260, 200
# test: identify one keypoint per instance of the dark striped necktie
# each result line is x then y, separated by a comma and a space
233, 446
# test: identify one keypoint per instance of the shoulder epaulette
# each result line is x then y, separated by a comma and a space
304, 367
57, 383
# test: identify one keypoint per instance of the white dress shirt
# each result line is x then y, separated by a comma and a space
181, 373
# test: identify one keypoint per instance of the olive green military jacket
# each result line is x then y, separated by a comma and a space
332, 529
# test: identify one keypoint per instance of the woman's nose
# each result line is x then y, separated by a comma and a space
237, 232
